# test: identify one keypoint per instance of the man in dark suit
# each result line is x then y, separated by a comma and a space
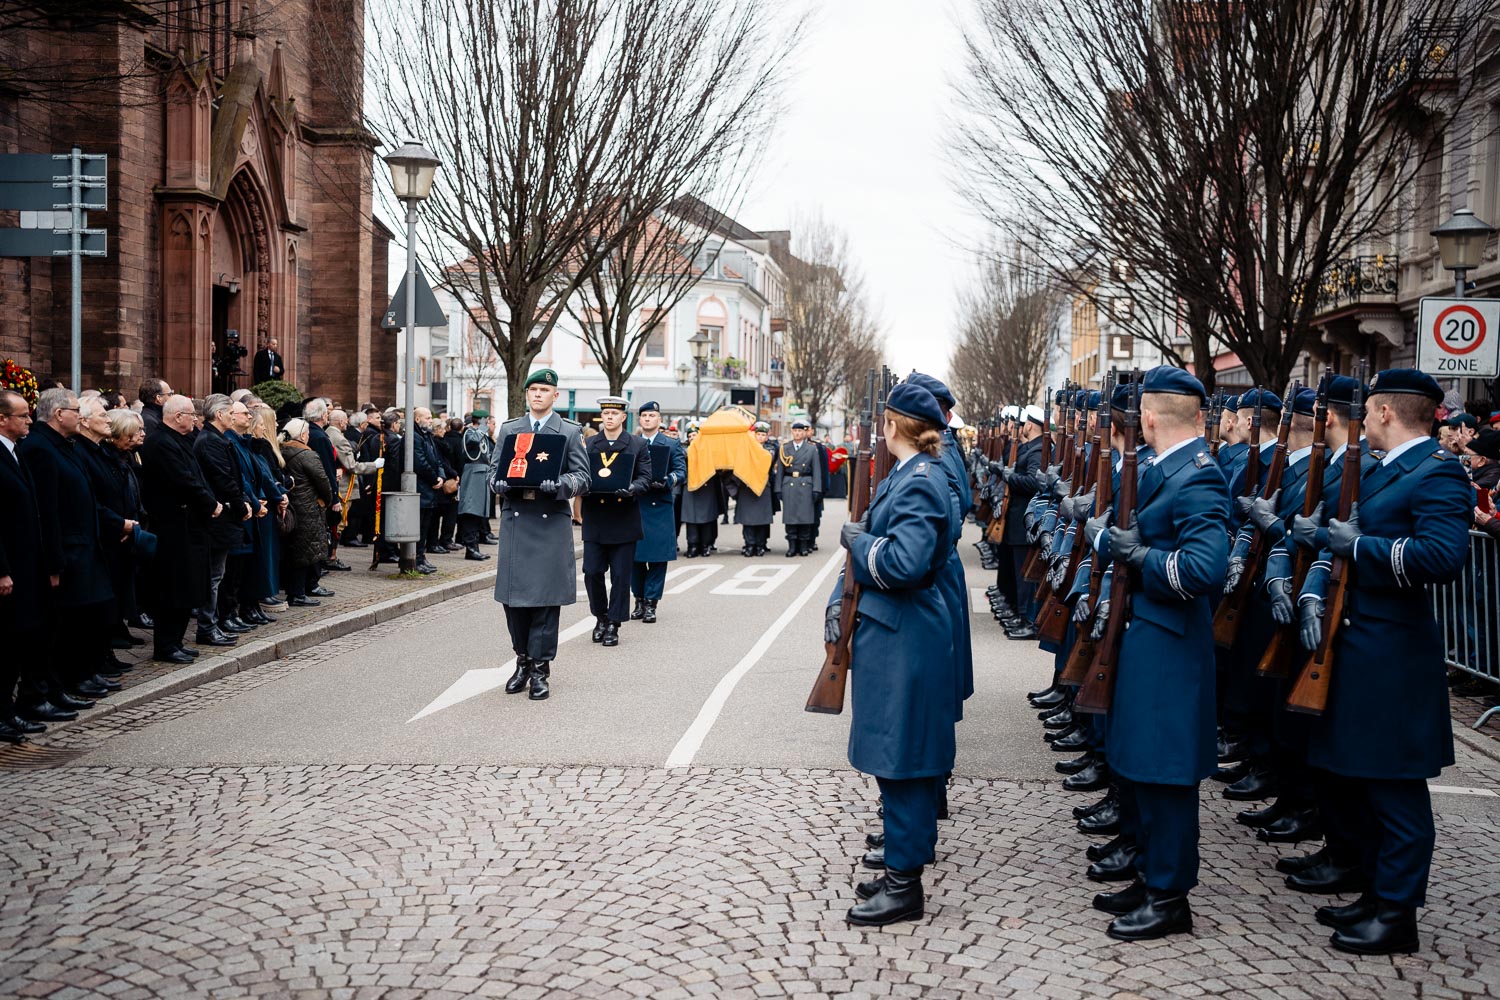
269, 363
612, 517
153, 394
1024, 481
315, 412
221, 470
23, 586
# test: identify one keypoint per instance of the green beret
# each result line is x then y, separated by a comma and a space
544, 376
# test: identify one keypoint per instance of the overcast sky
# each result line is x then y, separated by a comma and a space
863, 143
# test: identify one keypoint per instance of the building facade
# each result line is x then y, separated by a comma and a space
240, 186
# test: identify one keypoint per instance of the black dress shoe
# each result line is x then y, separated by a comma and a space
1257, 818
142, 622
1116, 867
121, 642
90, 688
1090, 779
650, 616
423, 566
1096, 852
1161, 914
109, 686
1301, 862
1229, 775
1260, 783
1075, 765
192, 653
472, 554
1127, 900
47, 711
1328, 879
71, 702
598, 633
1390, 930
1026, 632
1298, 825
320, 591
900, 898
1361, 909
490, 538
875, 841
639, 611
1062, 720
611, 635
541, 673
1053, 698
1079, 812
1053, 735
339, 566
1054, 711
1032, 696
214, 638
25, 725
1072, 742
10, 734
174, 656
1104, 823
230, 626
241, 625
874, 859
302, 602
1231, 750
521, 677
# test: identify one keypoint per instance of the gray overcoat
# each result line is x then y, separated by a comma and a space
798, 475
705, 504
752, 509
474, 477
536, 567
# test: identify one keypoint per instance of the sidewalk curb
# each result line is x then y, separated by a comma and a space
254, 654
1480, 743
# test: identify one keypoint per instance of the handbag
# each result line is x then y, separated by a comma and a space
286, 520
450, 486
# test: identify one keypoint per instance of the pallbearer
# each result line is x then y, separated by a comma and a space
1161, 723
903, 687
755, 511
798, 472
658, 544
621, 469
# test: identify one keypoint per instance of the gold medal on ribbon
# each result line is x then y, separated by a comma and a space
606, 459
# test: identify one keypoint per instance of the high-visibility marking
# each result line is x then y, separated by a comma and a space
689, 577
477, 682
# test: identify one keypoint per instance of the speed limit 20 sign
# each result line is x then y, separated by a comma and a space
1459, 337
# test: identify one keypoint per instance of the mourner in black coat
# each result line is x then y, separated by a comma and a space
24, 587
221, 470
612, 518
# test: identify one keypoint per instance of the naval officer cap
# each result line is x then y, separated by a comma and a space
542, 376
1173, 382
613, 403
1305, 402
761, 427
1034, 414
1011, 412
940, 392
802, 425
649, 406
911, 400
1267, 399
1407, 382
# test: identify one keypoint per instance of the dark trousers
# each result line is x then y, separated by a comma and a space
24, 672
1388, 824
427, 530
533, 631
470, 528
1166, 834
1005, 574
799, 537
756, 535
703, 536
447, 513
609, 599
298, 580
911, 818
648, 579
168, 626
236, 568
1025, 603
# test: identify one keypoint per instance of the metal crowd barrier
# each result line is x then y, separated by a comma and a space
1468, 614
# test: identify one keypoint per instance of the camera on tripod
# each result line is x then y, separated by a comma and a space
227, 364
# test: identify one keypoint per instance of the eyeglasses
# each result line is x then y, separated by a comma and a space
66, 409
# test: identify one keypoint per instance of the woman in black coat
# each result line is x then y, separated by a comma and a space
118, 497
307, 546
126, 433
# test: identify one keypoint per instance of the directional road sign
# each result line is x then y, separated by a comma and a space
1459, 337
429, 313
27, 182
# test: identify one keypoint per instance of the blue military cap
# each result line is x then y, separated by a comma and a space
1120, 399
1095, 397
1081, 399
1172, 381
649, 406
911, 400
1306, 402
1406, 381
1232, 404
940, 392
1341, 389
1267, 399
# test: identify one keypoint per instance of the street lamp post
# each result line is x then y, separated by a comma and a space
412, 169
698, 345
1461, 243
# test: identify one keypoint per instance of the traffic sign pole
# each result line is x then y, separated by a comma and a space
76, 185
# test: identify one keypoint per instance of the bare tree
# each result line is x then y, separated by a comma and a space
1006, 332
481, 368
1231, 152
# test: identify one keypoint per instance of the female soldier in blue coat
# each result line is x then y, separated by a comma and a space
904, 685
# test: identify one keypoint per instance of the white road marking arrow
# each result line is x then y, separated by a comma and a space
477, 682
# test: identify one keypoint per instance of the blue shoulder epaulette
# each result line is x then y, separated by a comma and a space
1203, 459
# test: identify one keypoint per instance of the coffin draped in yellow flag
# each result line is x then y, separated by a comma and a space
725, 441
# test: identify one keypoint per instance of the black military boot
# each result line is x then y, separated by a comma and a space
900, 898
1301, 862
472, 553
1060, 720
1328, 878
1032, 696
1234, 772
1340, 917
1079, 812
1104, 823
600, 624
1118, 866
1068, 742
1297, 825
611, 634
874, 859
639, 611
650, 616
1390, 930
540, 672
874, 841
1127, 900
864, 890
1104, 850
1090, 779
1076, 764
1163, 913
1257, 818
1260, 783
521, 677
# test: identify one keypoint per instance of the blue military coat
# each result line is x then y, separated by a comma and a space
951, 581
903, 685
1388, 714
1241, 465
1229, 454
1162, 724
658, 522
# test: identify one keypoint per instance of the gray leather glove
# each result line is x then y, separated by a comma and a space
849, 532
1242, 505
636, 489
1236, 571
1101, 621
1343, 534
1283, 610
1045, 542
551, 487
1094, 525
1081, 610
1263, 512
1311, 631
1307, 532
1061, 488
1126, 546
1065, 508
831, 622
1057, 572
499, 487
1082, 505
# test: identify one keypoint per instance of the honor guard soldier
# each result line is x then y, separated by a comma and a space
902, 681
534, 573
1386, 727
1238, 471
1161, 740
755, 511
621, 469
798, 472
1231, 439
658, 544
1024, 481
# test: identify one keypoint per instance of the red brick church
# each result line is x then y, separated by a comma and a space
240, 188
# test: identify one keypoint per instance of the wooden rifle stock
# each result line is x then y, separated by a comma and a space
1310, 692
1052, 620
1231, 611
995, 534
1098, 691
827, 695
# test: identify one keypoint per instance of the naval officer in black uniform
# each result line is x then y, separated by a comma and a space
620, 467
